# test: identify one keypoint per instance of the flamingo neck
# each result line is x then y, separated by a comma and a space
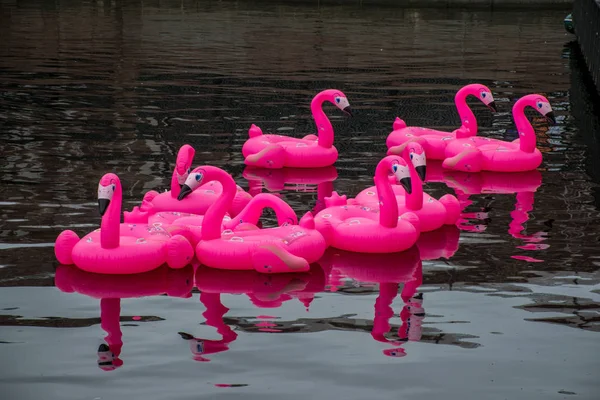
383, 310
467, 118
414, 200
388, 206
411, 286
185, 156
215, 310
110, 316
110, 230
175, 188
324, 127
253, 211
520, 215
211, 224
527, 142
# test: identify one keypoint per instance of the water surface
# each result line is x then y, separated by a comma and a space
92, 87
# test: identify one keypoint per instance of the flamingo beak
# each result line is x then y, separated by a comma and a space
492, 106
421, 171
406, 183
551, 118
348, 110
103, 206
185, 190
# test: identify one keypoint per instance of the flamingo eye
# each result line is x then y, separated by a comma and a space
412, 155
113, 187
189, 170
337, 99
483, 95
395, 167
539, 105
198, 177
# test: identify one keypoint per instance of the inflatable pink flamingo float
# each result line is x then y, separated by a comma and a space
388, 270
118, 248
275, 180
287, 248
435, 141
265, 291
312, 151
432, 213
476, 154
371, 230
111, 289
197, 203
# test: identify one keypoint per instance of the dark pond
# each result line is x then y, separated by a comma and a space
509, 311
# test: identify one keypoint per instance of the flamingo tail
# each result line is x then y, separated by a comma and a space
63, 247
399, 124
254, 131
453, 209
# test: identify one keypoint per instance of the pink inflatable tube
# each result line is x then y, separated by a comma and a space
118, 248
365, 230
288, 248
190, 225
435, 141
388, 270
432, 213
197, 203
484, 154
111, 289
312, 151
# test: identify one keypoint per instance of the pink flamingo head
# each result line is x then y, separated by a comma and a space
541, 105
337, 98
109, 184
412, 151
483, 93
183, 165
192, 182
399, 167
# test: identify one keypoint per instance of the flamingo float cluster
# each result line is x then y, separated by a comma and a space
206, 216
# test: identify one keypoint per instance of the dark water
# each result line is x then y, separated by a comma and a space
92, 87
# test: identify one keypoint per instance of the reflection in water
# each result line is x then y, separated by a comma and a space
299, 179
523, 185
110, 289
388, 270
264, 291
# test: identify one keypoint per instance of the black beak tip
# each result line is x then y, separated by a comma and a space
348, 110
406, 183
103, 206
422, 172
551, 118
185, 190
492, 106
